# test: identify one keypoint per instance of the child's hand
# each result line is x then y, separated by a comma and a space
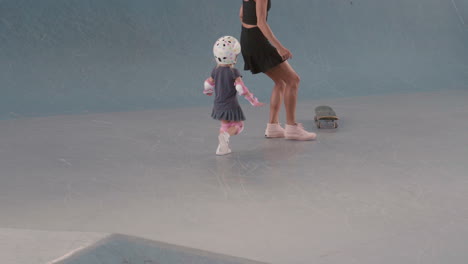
258, 104
253, 100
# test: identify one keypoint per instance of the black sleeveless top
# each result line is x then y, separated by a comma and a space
250, 11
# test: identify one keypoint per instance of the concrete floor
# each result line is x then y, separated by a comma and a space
389, 186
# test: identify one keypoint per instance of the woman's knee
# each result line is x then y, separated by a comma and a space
293, 83
284, 76
297, 79
293, 80
280, 85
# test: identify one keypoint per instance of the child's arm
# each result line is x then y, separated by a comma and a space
209, 86
243, 90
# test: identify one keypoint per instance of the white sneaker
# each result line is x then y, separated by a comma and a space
223, 147
274, 131
298, 132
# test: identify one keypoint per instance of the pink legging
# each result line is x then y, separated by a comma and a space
226, 126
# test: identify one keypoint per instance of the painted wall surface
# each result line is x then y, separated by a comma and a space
78, 56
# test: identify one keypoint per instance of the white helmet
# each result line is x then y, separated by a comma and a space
226, 49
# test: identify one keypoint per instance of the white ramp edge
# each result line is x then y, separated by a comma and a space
124, 249
27, 246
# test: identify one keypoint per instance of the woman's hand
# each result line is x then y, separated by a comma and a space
284, 53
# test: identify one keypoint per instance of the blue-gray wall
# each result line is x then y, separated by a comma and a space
76, 56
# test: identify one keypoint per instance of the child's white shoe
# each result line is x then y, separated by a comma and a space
223, 147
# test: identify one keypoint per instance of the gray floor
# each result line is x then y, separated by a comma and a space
389, 186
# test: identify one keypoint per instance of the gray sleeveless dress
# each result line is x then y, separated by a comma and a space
226, 106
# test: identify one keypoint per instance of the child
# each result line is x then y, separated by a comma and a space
226, 82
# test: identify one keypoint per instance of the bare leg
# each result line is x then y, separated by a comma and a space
276, 100
284, 73
232, 130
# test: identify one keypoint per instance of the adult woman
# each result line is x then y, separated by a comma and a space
261, 56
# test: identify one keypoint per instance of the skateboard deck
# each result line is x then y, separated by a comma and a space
325, 113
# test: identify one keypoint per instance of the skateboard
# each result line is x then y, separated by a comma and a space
326, 114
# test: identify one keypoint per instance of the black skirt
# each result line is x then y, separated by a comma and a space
258, 53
